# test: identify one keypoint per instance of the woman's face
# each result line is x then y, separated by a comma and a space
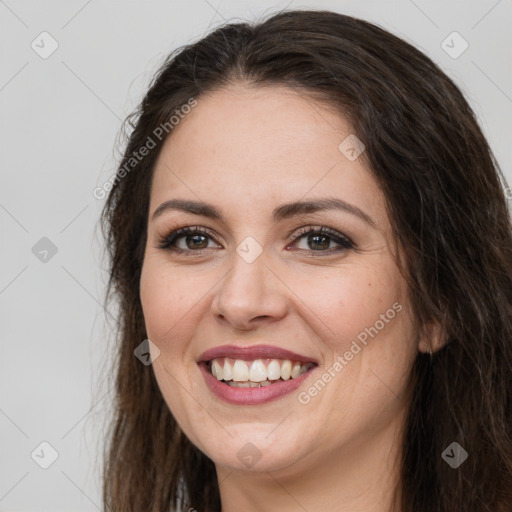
259, 279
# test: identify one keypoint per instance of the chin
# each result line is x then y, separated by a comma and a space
252, 448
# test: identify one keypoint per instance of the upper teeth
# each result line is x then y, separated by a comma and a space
259, 370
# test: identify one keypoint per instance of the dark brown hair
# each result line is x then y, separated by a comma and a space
446, 203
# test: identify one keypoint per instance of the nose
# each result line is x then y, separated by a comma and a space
250, 294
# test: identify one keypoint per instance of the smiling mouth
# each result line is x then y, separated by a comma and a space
256, 373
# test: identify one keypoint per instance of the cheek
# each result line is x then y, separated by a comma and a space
167, 297
153, 297
350, 299
367, 308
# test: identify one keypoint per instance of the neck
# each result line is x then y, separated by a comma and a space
360, 477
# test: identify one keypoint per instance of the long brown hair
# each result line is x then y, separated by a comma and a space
444, 192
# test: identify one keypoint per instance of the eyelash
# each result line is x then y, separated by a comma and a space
167, 242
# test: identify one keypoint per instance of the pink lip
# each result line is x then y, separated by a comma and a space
253, 352
251, 396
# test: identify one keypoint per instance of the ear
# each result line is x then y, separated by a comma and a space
432, 338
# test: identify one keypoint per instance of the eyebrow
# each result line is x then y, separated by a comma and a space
285, 211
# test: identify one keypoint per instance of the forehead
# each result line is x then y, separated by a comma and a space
260, 146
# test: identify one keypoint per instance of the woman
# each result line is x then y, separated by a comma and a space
310, 243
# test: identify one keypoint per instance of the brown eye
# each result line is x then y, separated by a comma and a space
186, 240
320, 239
195, 241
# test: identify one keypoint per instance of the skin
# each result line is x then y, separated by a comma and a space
248, 150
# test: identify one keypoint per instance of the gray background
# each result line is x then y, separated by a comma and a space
58, 126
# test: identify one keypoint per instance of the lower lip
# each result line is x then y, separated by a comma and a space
251, 396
